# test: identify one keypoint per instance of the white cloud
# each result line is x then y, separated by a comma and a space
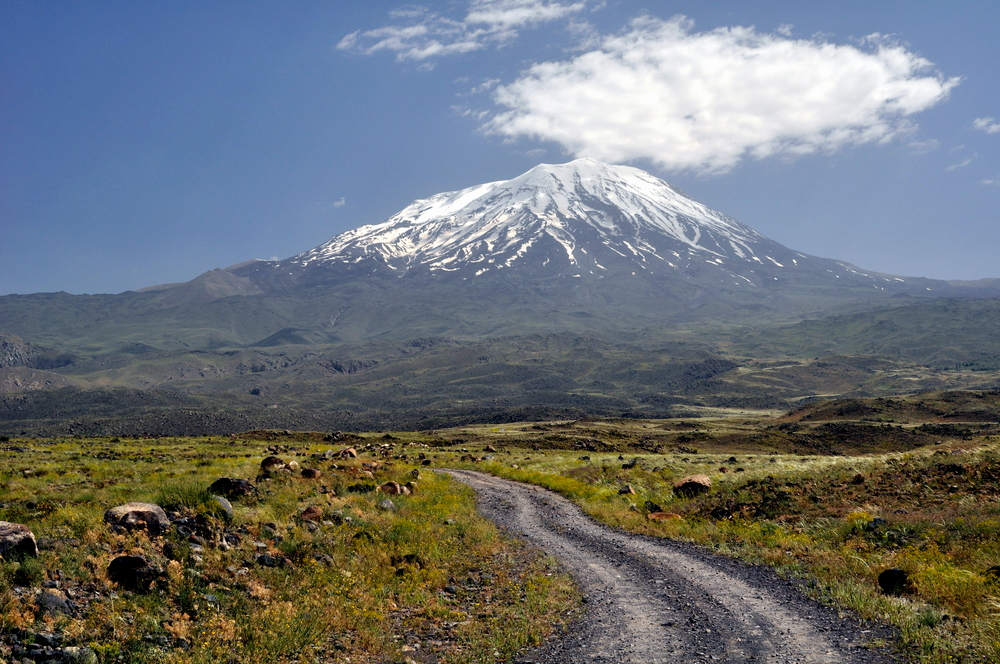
961, 164
704, 101
989, 125
425, 34
924, 147
995, 182
339, 203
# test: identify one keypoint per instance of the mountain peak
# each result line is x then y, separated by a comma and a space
562, 217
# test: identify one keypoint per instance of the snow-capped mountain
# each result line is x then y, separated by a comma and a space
580, 219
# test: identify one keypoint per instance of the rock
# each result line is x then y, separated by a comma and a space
894, 581
133, 573
361, 487
292, 465
732, 460
271, 464
626, 490
267, 560
225, 506
348, 453
663, 516
411, 486
391, 488
54, 604
16, 540
132, 516
490, 448
311, 473
692, 485
312, 513
387, 505
232, 488
415, 474
78, 655
858, 479
652, 507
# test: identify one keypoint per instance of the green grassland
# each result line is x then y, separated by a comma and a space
427, 579
832, 493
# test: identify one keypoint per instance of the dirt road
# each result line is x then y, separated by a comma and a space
651, 600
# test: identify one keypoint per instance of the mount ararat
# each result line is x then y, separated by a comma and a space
580, 287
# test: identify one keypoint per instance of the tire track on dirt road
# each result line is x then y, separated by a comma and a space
653, 600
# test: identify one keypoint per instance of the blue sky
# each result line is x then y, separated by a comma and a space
144, 143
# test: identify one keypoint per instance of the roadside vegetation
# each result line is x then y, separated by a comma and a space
836, 523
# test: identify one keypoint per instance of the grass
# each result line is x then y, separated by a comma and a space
429, 577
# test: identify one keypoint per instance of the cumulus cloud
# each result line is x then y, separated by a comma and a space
421, 34
989, 125
705, 100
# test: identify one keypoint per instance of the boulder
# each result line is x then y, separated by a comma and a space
53, 603
133, 573
411, 486
16, 540
490, 448
894, 581
663, 516
692, 485
132, 516
311, 473
348, 453
271, 464
391, 488
415, 474
79, 655
312, 513
232, 488
628, 489
225, 506
652, 507
387, 505
292, 465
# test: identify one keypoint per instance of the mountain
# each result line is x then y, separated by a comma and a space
571, 290
581, 220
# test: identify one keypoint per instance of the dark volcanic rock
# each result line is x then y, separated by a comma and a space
133, 573
894, 581
232, 488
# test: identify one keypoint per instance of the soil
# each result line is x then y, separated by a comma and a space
653, 600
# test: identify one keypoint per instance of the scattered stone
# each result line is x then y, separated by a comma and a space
723, 470
292, 465
652, 507
311, 473
663, 516
628, 489
386, 505
225, 506
133, 516
312, 513
692, 485
411, 487
17, 540
391, 489
78, 655
54, 604
894, 581
490, 448
858, 479
267, 560
348, 453
232, 488
415, 474
133, 573
361, 488
732, 460
271, 464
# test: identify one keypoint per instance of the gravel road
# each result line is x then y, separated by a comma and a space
651, 600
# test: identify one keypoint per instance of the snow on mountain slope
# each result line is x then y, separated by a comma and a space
575, 219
